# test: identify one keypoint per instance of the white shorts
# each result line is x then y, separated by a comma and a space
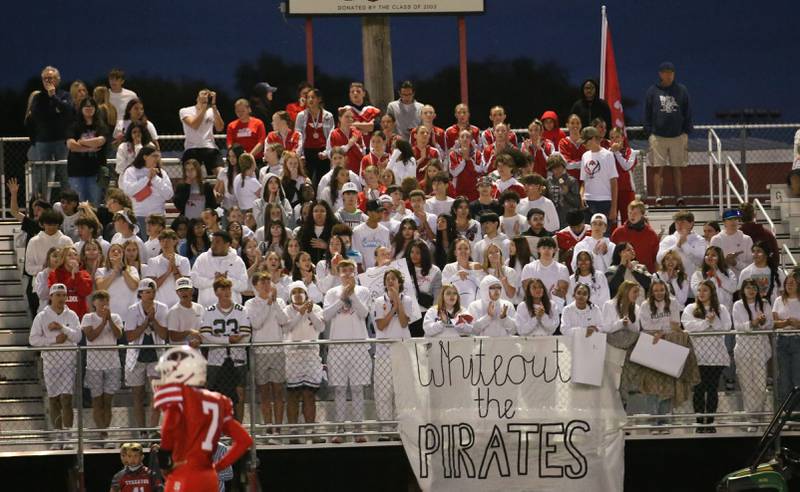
140, 372
349, 364
102, 381
304, 367
270, 367
59, 379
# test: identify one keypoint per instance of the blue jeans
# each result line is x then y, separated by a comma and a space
788, 365
599, 207
87, 188
42, 174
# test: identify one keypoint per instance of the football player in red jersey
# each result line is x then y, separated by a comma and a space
193, 420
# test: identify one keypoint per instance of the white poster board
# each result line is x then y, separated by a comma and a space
590, 357
478, 414
666, 357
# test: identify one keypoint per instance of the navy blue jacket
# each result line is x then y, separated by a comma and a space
51, 116
666, 111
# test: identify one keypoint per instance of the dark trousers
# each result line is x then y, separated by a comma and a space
706, 396
315, 166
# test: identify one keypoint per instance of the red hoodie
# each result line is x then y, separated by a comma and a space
556, 134
78, 288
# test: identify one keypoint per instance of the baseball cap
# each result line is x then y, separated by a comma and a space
264, 87
384, 199
56, 288
484, 181
145, 284
349, 186
183, 283
374, 206
600, 217
666, 67
732, 214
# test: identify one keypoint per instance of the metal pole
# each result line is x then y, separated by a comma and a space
776, 403
309, 50
79, 423
252, 475
462, 58
743, 152
3, 178
710, 169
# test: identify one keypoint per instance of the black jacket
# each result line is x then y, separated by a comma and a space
182, 192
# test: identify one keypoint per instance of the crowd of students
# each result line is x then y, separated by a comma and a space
471, 233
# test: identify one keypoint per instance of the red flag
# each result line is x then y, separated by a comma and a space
609, 82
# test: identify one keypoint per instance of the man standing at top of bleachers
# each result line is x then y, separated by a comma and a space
668, 121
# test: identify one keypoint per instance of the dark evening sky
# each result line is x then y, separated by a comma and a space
729, 54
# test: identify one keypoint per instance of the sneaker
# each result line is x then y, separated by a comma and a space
337, 440
294, 441
274, 442
55, 446
655, 432
751, 429
659, 202
361, 439
319, 440
384, 439
680, 203
68, 445
110, 445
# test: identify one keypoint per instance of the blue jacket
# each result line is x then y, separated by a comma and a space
666, 111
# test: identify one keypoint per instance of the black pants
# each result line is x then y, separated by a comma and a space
706, 396
315, 166
209, 158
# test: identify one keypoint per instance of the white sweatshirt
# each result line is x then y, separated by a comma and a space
691, 252
573, 318
42, 336
491, 326
725, 285
38, 246
710, 350
588, 243
662, 320
436, 327
268, 320
135, 180
529, 325
347, 319
206, 265
612, 321
755, 347
738, 242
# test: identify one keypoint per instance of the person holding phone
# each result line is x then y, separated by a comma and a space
199, 124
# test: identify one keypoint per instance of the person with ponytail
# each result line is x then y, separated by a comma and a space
786, 314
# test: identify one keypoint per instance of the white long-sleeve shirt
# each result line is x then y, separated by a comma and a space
135, 180
710, 350
38, 246
206, 265
157, 266
551, 223
691, 252
304, 327
755, 347
42, 336
437, 327
530, 325
246, 195
725, 284
402, 169
487, 326
662, 320
598, 285
347, 319
588, 243
738, 242
573, 318
679, 291
268, 320
612, 321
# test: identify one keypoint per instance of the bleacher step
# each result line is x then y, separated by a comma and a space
12, 337
9, 272
20, 389
19, 371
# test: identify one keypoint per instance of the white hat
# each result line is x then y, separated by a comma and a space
56, 288
601, 217
385, 199
349, 186
146, 284
183, 283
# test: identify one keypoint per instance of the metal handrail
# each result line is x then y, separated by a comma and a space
714, 157
760, 207
788, 252
729, 184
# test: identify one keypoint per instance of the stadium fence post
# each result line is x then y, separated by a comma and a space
79, 422
252, 474
3, 178
776, 403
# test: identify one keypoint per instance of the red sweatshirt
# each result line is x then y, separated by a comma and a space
79, 288
644, 241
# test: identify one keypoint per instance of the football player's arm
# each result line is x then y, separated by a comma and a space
171, 421
241, 443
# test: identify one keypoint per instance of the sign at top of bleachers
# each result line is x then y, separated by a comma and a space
383, 7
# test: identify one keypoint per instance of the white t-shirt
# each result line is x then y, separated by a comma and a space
156, 267
549, 275
544, 204
366, 240
203, 136
437, 207
102, 359
121, 295
393, 329
785, 309
597, 170
181, 319
120, 100
122, 126
247, 194
763, 276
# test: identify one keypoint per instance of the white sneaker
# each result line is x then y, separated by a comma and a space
68, 436
55, 446
110, 445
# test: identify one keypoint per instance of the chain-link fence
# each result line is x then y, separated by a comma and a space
305, 393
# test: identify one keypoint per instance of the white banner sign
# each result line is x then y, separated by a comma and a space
383, 7
479, 414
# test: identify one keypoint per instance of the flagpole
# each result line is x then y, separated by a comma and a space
603, 30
